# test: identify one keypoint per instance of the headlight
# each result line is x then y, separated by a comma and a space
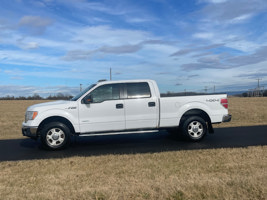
30, 115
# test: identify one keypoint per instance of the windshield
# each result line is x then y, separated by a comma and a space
82, 92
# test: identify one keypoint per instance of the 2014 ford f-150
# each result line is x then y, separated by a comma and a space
112, 107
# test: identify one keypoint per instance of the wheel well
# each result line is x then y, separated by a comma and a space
56, 119
200, 113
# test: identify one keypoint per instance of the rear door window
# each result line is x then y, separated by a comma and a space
138, 90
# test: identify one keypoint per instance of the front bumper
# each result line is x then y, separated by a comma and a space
227, 118
29, 131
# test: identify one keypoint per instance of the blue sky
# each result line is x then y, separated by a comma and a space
52, 46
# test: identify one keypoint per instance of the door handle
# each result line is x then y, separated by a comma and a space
151, 104
119, 106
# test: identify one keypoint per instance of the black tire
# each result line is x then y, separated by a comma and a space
194, 128
55, 136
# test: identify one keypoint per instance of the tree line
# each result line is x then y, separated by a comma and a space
248, 94
244, 94
36, 96
60, 96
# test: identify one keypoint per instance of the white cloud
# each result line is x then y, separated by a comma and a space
230, 12
98, 7
211, 59
149, 45
21, 58
201, 50
35, 24
31, 45
204, 35
105, 35
213, 1
35, 21
241, 19
27, 45
243, 45
25, 91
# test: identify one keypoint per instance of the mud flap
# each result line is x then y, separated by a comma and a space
210, 128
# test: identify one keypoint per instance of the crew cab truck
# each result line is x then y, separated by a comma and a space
112, 107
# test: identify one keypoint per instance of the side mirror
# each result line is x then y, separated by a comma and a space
87, 100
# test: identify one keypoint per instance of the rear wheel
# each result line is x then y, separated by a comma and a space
194, 128
55, 135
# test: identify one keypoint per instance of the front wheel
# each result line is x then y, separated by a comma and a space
194, 128
55, 135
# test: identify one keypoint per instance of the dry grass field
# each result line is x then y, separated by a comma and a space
12, 116
227, 173
200, 174
247, 112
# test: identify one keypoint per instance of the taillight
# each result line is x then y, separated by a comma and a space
224, 103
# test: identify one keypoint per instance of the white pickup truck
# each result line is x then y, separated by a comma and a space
112, 107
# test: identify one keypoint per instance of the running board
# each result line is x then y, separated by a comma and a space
118, 133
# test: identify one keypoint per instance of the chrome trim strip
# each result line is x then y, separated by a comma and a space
118, 133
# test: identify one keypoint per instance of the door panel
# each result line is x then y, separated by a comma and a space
140, 115
141, 110
103, 116
105, 111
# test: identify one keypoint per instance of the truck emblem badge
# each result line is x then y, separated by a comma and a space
71, 108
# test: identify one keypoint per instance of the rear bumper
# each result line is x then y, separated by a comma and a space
227, 118
29, 131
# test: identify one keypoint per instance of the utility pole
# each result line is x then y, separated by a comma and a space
258, 88
259, 79
214, 89
206, 89
81, 87
110, 74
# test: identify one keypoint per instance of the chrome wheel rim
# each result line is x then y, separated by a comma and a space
55, 137
195, 129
